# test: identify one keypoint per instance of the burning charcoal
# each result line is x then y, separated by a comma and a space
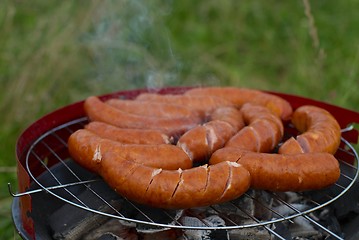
198, 234
246, 205
262, 205
281, 228
112, 230
327, 218
70, 222
301, 228
166, 234
167, 217
235, 211
284, 210
249, 234
108, 236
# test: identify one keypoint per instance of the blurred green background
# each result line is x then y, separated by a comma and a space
53, 53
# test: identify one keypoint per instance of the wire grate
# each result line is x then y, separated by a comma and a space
50, 151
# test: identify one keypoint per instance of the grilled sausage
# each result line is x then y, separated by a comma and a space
200, 186
97, 110
263, 132
203, 105
230, 115
320, 132
280, 172
239, 96
152, 109
200, 142
88, 149
128, 136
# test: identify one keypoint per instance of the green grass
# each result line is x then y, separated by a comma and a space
54, 53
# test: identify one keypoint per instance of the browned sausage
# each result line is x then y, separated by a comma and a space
320, 132
203, 105
195, 187
280, 172
152, 109
97, 110
126, 135
239, 96
263, 132
88, 150
230, 115
200, 142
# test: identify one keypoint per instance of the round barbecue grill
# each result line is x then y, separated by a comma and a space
51, 184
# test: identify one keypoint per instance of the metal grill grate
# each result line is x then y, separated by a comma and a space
50, 152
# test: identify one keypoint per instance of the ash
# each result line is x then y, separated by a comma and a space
249, 210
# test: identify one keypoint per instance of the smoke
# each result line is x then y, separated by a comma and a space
131, 46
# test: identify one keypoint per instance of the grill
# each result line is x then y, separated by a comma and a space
54, 191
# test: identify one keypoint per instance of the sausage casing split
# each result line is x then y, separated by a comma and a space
320, 132
199, 186
263, 131
97, 110
195, 187
280, 172
88, 149
200, 142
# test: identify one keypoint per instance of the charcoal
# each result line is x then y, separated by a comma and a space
206, 234
71, 222
113, 229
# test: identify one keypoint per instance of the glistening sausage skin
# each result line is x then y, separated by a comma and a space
199, 186
280, 172
97, 110
320, 132
88, 149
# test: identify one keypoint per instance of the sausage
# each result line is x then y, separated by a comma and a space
128, 136
88, 149
152, 109
320, 132
200, 142
281, 172
97, 110
230, 115
195, 187
176, 189
239, 96
203, 105
263, 132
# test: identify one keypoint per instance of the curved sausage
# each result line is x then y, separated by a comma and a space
97, 110
88, 150
263, 132
152, 109
200, 142
230, 115
203, 105
239, 96
195, 187
128, 136
320, 132
280, 172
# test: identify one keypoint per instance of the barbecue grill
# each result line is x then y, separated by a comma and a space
58, 199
